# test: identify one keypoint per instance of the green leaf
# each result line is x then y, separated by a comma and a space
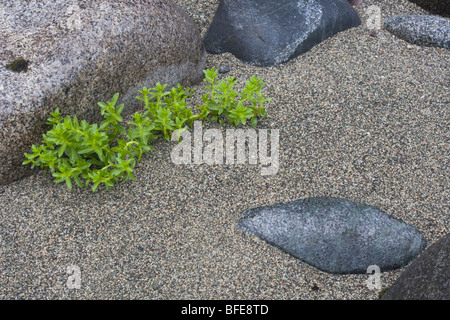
102, 105
114, 100
69, 183
86, 150
120, 109
78, 181
241, 114
61, 150
254, 122
95, 186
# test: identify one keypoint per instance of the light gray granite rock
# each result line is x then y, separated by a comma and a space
427, 277
80, 53
267, 32
336, 235
431, 31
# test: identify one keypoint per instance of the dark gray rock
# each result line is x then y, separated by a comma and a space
356, 3
80, 52
427, 277
431, 31
440, 7
267, 32
224, 69
336, 235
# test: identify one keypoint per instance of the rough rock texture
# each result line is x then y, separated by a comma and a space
336, 235
266, 32
420, 29
428, 276
81, 52
441, 7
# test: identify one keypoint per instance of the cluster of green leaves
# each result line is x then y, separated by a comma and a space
223, 101
88, 153
166, 111
76, 150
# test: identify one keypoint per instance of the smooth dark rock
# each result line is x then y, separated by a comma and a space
267, 32
427, 277
336, 235
431, 31
440, 7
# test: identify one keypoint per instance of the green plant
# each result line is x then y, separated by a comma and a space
224, 101
74, 150
87, 153
166, 111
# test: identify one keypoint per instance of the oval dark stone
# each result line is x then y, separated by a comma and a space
336, 235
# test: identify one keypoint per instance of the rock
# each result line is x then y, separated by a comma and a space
440, 7
356, 3
78, 53
420, 29
427, 277
336, 235
224, 69
267, 32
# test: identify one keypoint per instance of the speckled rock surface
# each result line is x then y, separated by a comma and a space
336, 235
267, 33
440, 7
420, 29
427, 278
79, 53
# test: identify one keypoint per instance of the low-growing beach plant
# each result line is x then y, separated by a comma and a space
84, 153
224, 101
